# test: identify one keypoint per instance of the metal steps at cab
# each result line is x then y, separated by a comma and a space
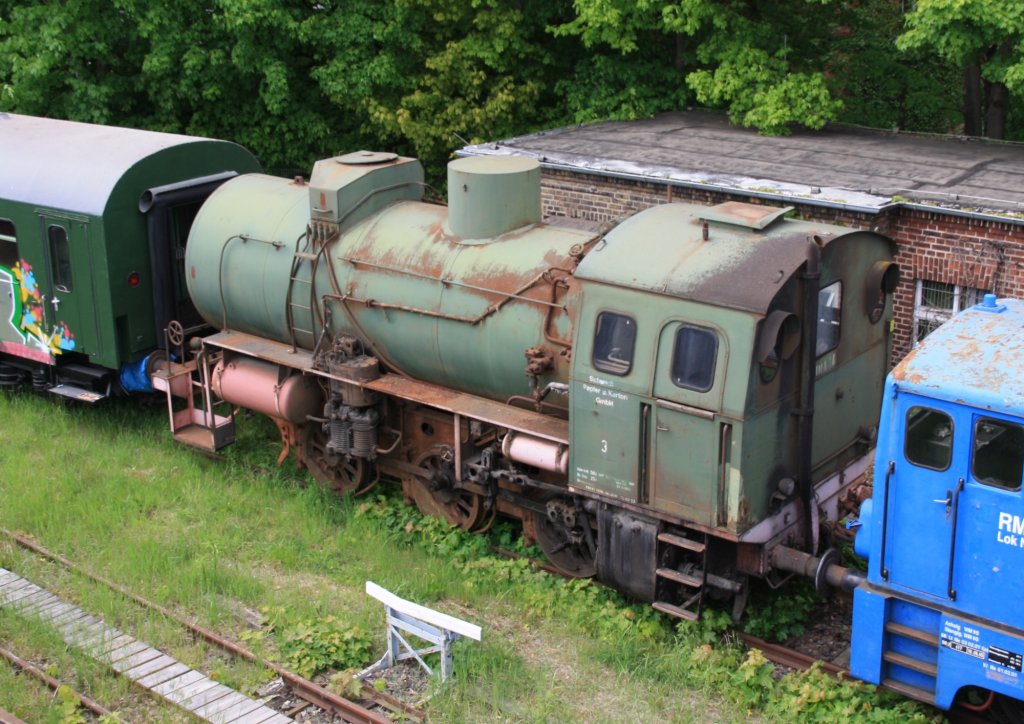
909, 661
681, 574
195, 424
82, 383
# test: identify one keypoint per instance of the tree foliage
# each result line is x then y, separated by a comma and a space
986, 39
294, 80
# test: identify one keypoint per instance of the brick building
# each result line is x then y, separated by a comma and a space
954, 206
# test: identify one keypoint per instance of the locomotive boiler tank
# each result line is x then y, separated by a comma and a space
478, 296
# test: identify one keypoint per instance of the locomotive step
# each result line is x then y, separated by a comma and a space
83, 371
204, 438
680, 542
674, 610
928, 697
686, 580
914, 634
909, 662
77, 393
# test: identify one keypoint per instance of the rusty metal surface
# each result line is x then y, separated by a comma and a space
989, 345
783, 656
752, 216
51, 682
736, 267
260, 348
479, 408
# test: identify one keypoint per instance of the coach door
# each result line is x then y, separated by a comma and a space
68, 306
687, 436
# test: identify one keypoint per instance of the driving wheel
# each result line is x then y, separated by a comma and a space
436, 495
334, 472
564, 534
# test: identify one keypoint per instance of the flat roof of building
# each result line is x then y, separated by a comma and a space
860, 169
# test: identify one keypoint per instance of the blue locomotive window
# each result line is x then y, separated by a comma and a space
693, 358
998, 453
614, 340
929, 438
60, 258
8, 244
830, 301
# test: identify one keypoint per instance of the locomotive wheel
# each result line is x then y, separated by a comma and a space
564, 541
437, 497
331, 471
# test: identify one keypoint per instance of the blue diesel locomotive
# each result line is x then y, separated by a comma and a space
944, 531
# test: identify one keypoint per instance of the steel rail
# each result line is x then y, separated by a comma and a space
306, 689
94, 707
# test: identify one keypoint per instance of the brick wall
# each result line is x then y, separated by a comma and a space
934, 246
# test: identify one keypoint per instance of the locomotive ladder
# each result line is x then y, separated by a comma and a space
681, 578
299, 257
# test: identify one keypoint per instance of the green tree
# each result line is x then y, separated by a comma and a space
986, 39
880, 86
760, 59
484, 70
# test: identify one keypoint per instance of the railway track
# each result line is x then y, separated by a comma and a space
380, 707
41, 676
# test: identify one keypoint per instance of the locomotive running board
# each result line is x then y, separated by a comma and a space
459, 403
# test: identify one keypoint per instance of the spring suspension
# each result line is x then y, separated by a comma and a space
351, 431
41, 380
10, 377
364, 433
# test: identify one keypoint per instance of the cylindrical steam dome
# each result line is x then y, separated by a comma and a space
492, 195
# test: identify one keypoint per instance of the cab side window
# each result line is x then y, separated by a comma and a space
998, 453
8, 244
693, 358
614, 343
929, 438
830, 302
60, 258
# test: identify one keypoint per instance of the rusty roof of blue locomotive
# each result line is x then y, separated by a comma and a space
662, 250
72, 166
977, 357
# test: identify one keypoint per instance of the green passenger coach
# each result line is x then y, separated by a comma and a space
93, 225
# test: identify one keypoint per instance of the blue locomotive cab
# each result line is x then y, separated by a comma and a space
944, 530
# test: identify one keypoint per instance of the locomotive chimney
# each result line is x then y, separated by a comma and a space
492, 195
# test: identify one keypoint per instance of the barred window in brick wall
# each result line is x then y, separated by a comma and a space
935, 302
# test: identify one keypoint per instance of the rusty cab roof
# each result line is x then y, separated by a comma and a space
750, 253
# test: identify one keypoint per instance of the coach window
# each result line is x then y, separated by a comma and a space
614, 340
829, 317
998, 453
8, 244
929, 440
693, 358
60, 258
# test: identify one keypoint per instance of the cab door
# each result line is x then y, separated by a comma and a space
924, 489
609, 418
688, 438
68, 307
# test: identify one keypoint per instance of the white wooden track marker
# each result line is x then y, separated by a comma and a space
438, 629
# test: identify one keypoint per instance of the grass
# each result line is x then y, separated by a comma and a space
265, 557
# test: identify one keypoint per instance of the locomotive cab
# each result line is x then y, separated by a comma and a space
688, 386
